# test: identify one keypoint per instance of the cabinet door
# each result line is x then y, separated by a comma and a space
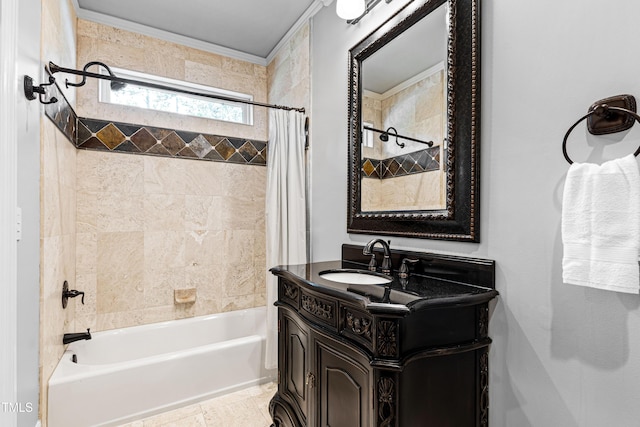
342, 396
294, 338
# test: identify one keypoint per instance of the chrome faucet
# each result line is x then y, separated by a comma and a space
386, 261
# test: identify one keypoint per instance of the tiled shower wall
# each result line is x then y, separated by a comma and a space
57, 203
414, 172
148, 225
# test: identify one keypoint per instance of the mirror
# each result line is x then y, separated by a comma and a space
414, 122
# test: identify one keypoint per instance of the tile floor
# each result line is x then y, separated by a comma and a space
244, 408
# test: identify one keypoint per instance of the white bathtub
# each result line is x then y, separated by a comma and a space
131, 373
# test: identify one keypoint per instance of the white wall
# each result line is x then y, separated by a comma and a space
562, 355
29, 113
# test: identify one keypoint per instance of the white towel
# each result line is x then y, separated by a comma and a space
601, 225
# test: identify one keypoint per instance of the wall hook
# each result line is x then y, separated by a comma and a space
30, 90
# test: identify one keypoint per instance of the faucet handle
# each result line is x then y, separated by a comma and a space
66, 294
373, 265
403, 272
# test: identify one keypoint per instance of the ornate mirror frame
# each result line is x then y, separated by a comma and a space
460, 220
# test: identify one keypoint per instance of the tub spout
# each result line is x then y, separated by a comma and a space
69, 338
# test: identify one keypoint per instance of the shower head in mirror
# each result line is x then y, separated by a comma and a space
384, 136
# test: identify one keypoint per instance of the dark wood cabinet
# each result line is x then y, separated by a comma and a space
353, 359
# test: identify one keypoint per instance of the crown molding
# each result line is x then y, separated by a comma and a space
314, 8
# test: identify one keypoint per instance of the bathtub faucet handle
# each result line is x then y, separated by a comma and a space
66, 294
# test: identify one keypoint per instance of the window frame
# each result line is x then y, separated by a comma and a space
104, 93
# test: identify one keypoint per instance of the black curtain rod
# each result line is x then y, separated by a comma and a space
53, 68
429, 143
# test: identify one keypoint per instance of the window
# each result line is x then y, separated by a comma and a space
367, 135
173, 102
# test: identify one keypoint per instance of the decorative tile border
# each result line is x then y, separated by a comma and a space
93, 134
129, 138
405, 164
61, 113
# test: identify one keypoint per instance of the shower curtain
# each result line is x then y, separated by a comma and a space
285, 209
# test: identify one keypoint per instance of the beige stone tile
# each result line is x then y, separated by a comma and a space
86, 283
164, 176
204, 72
165, 63
238, 247
204, 248
209, 281
87, 166
247, 181
159, 314
164, 250
238, 213
86, 211
205, 306
86, 252
120, 271
121, 37
239, 302
121, 173
118, 212
202, 57
87, 28
119, 319
202, 213
239, 281
239, 414
205, 178
159, 285
164, 212
173, 417
231, 65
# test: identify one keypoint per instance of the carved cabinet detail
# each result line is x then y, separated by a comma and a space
344, 365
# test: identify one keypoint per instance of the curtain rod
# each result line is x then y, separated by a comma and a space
53, 68
386, 132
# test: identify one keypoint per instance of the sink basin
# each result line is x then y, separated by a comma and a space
356, 277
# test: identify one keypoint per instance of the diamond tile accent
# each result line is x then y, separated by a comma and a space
143, 140
94, 143
83, 133
173, 143
404, 164
187, 152
127, 147
94, 125
225, 149
200, 146
131, 138
248, 151
159, 150
111, 136
215, 156
367, 167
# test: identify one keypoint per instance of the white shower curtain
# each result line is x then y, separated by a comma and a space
285, 209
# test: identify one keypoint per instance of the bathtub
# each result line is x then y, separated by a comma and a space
127, 374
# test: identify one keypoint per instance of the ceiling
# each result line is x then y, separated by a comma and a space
417, 49
251, 27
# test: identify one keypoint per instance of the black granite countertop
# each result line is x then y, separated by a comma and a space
419, 291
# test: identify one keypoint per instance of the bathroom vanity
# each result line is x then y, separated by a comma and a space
409, 353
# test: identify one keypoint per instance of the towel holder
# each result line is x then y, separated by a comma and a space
609, 115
